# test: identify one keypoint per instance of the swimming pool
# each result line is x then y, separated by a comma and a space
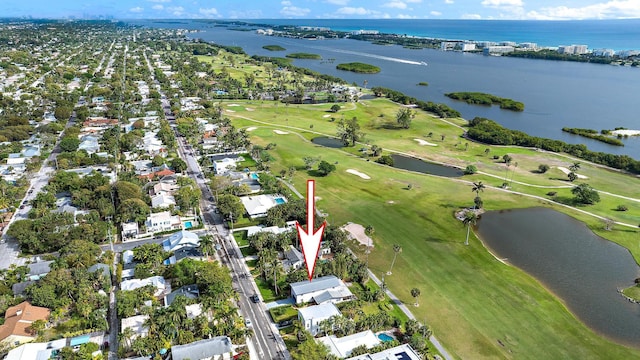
384, 337
254, 176
188, 225
279, 201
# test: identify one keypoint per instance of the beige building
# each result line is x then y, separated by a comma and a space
17, 322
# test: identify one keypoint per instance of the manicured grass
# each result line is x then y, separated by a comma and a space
241, 238
632, 292
247, 163
469, 299
248, 251
283, 313
267, 292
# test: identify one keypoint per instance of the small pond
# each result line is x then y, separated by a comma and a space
581, 268
413, 164
328, 142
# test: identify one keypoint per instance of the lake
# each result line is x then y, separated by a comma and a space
413, 164
582, 269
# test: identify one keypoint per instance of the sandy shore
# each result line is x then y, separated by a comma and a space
358, 173
357, 232
567, 171
424, 142
626, 132
280, 132
251, 128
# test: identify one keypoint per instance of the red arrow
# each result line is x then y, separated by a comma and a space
310, 240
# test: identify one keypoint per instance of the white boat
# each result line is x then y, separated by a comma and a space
423, 63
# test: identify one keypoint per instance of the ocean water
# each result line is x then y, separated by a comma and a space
555, 93
611, 34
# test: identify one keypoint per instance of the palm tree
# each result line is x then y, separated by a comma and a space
515, 165
415, 292
206, 245
574, 167
478, 187
470, 218
396, 249
126, 337
275, 267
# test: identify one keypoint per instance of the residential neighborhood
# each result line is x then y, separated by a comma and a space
140, 222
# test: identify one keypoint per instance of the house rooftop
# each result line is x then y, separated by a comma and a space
342, 347
19, 318
317, 284
404, 352
319, 311
203, 349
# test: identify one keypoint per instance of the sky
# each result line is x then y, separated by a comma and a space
328, 9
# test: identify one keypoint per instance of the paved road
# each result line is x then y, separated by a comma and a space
9, 249
266, 340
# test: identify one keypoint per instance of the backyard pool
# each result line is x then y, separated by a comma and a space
188, 225
279, 201
385, 338
254, 176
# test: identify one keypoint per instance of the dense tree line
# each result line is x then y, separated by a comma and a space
554, 55
486, 99
593, 134
490, 132
441, 110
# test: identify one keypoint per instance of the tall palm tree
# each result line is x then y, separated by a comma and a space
206, 245
574, 167
470, 218
415, 292
515, 165
396, 249
478, 187
275, 268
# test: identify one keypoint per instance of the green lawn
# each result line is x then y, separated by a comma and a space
283, 313
241, 238
470, 300
266, 290
633, 292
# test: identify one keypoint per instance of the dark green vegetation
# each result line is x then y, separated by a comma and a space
441, 110
359, 67
593, 134
423, 83
486, 99
490, 132
554, 55
274, 48
304, 56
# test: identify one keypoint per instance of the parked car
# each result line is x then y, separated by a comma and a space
248, 323
255, 298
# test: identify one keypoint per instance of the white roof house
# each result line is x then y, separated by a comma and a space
311, 316
258, 205
36, 351
321, 290
15, 158
403, 352
157, 282
136, 323
223, 166
180, 240
162, 221
252, 230
127, 257
129, 229
89, 143
219, 347
164, 188
342, 347
162, 201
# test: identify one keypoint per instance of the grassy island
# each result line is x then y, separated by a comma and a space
423, 83
304, 56
274, 48
593, 134
359, 67
632, 292
486, 99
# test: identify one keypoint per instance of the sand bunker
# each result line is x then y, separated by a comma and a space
231, 111
249, 109
626, 132
567, 171
358, 173
357, 232
251, 128
233, 105
424, 142
280, 132
326, 116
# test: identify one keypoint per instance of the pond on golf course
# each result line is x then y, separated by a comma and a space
581, 268
413, 164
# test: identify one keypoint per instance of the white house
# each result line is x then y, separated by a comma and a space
135, 323
223, 166
402, 352
89, 143
342, 347
181, 239
162, 221
163, 200
258, 205
219, 347
311, 316
157, 282
129, 229
321, 290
